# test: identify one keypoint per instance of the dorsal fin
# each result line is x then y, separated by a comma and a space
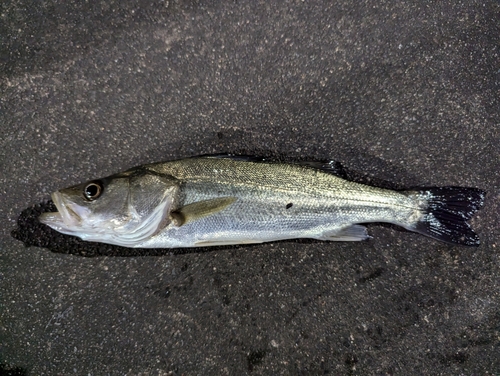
332, 167
235, 157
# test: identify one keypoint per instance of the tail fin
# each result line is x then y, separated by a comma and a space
446, 211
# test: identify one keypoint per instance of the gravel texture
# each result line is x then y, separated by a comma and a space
406, 92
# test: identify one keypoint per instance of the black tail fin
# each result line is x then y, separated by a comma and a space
446, 213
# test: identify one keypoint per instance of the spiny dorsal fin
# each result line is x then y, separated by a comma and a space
201, 209
236, 157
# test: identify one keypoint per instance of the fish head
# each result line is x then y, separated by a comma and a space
123, 209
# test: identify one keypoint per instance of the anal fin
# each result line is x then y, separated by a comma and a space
347, 234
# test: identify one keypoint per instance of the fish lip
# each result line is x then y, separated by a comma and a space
68, 217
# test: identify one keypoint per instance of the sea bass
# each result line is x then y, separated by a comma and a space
222, 200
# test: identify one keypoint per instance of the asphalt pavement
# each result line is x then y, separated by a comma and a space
400, 93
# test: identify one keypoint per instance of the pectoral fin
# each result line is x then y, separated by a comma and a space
201, 209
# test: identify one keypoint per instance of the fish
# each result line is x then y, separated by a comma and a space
226, 200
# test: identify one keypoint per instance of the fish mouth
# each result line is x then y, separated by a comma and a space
65, 219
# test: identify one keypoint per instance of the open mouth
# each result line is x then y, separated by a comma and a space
65, 219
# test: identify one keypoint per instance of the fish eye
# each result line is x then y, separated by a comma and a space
93, 190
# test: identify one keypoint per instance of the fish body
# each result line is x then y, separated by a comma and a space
207, 201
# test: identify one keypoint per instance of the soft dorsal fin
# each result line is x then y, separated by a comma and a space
201, 209
331, 167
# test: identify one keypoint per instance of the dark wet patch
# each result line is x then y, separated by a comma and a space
371, 275
459, 357
5, 370
255, 358
448, 359
350, 361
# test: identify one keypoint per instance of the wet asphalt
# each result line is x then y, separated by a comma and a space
399, 92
